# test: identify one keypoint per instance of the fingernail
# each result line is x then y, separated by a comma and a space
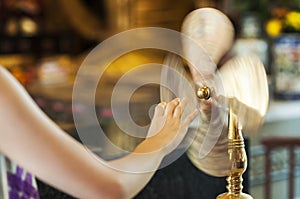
163, 104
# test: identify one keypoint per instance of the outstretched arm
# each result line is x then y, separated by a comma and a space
32, 140
165, 134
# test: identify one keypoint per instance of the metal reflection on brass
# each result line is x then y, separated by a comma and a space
203, 93
238, 160
236, 151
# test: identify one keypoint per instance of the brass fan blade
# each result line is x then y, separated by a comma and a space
239, 85
246, 90
241, 81
211, 29
175, 82
171, 75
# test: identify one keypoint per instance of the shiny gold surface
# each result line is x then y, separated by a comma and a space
246, 90
243, 88
246, 95
243, 79
203, 93
211, 29
240, 91
238, 160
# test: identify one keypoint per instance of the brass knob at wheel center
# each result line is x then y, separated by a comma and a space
203, 93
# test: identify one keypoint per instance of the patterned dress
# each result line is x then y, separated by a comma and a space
15, 182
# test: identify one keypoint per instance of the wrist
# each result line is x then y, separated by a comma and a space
150, 145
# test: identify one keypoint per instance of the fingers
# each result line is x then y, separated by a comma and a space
180, 107
176, 107
171, 106
160, 109
177, 112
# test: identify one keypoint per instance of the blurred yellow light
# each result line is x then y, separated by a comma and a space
293, 20
274, 27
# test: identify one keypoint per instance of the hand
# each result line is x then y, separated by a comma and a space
167, 128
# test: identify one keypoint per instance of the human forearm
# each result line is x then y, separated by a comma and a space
138, 167
32, 140
35, 142
135, 170
65, 165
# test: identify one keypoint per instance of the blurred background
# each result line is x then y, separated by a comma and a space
43, 42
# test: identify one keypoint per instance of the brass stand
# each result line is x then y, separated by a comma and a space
238, 159
236, 151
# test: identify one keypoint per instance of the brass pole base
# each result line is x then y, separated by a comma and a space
234, 196
238, 159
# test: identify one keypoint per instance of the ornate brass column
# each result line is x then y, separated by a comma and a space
238, 160
236, 151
